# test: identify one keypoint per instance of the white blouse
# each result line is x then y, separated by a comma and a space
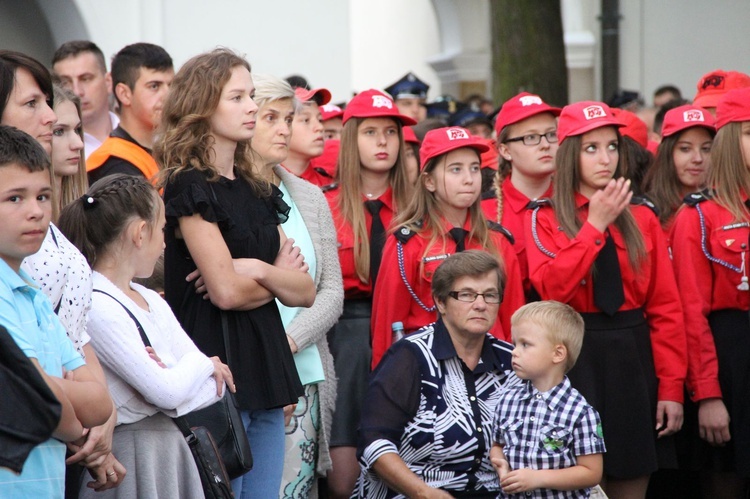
138, 386
65, 277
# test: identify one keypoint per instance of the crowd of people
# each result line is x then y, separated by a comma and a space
406, 299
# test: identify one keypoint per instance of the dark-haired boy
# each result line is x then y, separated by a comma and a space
25, 211
141, 75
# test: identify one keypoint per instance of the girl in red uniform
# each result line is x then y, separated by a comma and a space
372, 185
608, 260
443, 217
527, 142
682, 160
307, 141
710, 250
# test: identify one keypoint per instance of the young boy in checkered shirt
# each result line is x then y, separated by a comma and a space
547, 440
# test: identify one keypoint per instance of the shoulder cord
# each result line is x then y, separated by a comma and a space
402, 270
705, 248
536, 235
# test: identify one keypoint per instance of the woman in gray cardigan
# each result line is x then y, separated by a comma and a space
311, 226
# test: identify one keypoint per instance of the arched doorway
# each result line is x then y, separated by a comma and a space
38, 27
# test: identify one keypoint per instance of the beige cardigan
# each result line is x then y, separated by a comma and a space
311, 324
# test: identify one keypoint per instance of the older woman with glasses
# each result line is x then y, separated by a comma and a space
426, 423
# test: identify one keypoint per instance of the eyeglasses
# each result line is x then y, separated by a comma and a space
533, 139
492, 298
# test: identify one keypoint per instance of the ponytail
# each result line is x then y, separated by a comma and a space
98, 218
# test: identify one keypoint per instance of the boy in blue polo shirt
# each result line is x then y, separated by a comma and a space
25, 211
547, 439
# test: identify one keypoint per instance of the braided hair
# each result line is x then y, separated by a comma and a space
504, 168
98, 218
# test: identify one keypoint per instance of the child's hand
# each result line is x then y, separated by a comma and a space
155, 358
501, 465
519, 481
222, 375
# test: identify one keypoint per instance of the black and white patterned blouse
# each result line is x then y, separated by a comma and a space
65, 277
546, 430
426, 405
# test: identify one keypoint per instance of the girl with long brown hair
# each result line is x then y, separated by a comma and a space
372, 185
710, 250
683, 160
590, 249
223, 224
526, 129
444, 217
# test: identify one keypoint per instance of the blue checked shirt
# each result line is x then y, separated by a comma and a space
546, 430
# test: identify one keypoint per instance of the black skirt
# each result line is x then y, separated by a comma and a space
731, 332
349, 341
615, 373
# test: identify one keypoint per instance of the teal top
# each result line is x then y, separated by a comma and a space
27, 314
307, 360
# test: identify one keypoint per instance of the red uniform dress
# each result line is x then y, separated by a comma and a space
622, 356
393, 301
710, 251
515, 206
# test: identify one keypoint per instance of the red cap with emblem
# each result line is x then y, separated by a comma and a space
520, 107
687, 116
374, 104
443, 140
584, 116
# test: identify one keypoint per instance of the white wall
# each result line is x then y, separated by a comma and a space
280, 37
676, 42
388, 39
352, 45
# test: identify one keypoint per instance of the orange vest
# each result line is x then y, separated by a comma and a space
124, 149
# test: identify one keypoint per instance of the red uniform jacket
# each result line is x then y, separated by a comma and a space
393, 302
515, 206
353, 287
315, 176
707, 285
566, 277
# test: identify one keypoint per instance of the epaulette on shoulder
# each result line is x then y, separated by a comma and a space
322, 172
491, 194
499, 228
403, 234
538, 203
645, 201
329, 187
694, 198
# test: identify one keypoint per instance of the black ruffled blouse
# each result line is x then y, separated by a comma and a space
259, 354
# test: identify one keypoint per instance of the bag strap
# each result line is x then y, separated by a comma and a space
225, 332
144, 338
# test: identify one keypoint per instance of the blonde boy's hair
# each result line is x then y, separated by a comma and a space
561, 322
